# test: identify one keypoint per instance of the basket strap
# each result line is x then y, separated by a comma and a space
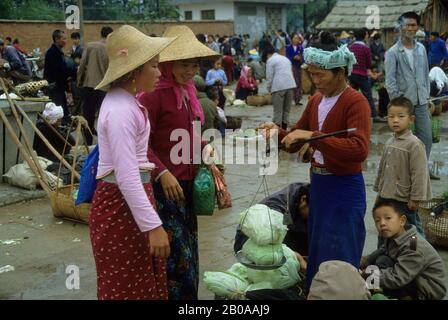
63, 153
75, 155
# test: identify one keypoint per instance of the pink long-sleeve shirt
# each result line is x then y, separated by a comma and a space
123, 135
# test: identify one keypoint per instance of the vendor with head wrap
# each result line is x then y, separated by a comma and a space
337, 194
52, 116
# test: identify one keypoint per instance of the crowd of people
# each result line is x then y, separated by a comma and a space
143, 230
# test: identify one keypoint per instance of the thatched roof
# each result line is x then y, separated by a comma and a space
180, 2
349, 15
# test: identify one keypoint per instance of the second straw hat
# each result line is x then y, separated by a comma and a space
127, 49
186, 46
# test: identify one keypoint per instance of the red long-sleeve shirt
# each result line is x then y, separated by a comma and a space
165, 118
246, 84
343, 155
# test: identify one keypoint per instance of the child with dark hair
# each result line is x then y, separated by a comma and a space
410, 268
403, 173
216, 78
214, 95
208, 105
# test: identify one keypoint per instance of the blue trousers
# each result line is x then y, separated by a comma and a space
336, 220
423, 129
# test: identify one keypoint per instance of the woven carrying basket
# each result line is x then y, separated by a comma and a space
233, 122
437, 108
61, 199
257, 100
63, 205
268, 99
435, 227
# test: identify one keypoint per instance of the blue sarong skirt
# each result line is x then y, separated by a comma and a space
336, 220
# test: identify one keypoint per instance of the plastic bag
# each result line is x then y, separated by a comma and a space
263, 225
229, 94
221, 115
204, 192
88, 182
21, 175
225, 284
263, 255
222, 193
284, 277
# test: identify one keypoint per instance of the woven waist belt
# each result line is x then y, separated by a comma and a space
144, 175
319, 170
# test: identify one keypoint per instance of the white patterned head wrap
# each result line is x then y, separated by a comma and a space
342, 57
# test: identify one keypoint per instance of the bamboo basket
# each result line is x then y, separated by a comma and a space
63, 205
432, 107
61, 199
435, 227
445, 106
268, 99
437, 108
233, 122
257, 100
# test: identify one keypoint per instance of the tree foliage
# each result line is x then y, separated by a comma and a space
30, 10
92, 9
316, 12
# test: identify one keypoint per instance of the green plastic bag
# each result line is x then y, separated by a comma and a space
239, 270
225, 284
270, 254
263, 225
204, 197
284, 277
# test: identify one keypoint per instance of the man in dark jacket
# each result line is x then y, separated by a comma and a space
378, 51
56, 71
16, 64
292, 202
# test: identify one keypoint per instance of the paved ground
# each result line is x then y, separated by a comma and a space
47, 245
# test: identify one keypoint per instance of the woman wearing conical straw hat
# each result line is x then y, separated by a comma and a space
129, 243
172, 106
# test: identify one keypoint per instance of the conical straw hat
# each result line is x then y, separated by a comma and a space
186, 46
345, 35
127, 49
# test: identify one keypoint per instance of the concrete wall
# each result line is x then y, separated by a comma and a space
255, 25
37, 34
223, 11
8, 149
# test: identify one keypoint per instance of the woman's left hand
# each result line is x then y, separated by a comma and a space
295, 136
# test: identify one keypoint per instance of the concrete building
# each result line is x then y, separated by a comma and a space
249, 16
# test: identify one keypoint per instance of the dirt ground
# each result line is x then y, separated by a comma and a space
45, 246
